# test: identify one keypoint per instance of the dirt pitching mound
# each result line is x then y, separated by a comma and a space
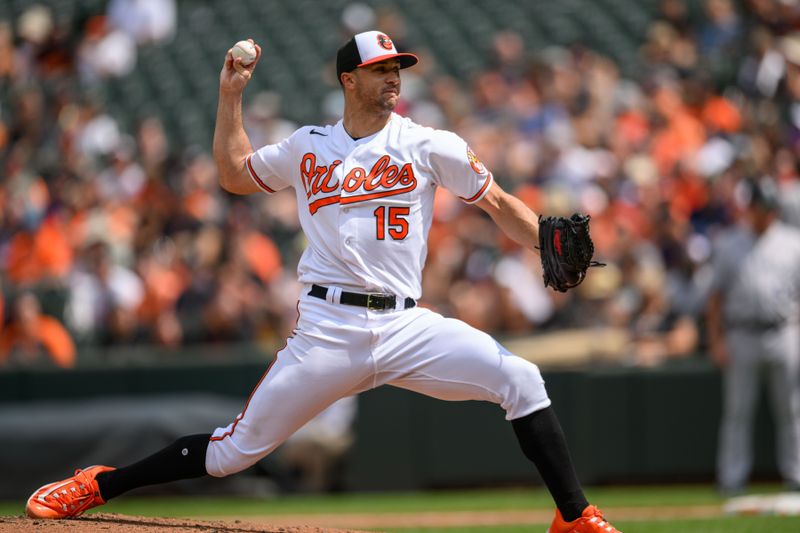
328, 523
113, 523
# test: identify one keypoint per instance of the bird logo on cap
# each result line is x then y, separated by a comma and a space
385, 42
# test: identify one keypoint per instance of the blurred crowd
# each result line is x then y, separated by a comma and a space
122, 237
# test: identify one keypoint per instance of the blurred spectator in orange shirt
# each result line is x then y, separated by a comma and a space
38, 254
30, 335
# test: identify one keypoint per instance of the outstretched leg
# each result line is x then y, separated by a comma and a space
309, 374
183, 459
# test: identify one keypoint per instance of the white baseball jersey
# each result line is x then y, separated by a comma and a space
366, 205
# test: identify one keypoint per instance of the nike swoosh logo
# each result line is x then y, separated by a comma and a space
315, 132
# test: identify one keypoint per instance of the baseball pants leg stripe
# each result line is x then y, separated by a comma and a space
232, 427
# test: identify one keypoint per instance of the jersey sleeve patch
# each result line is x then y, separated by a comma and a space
456, 167
474, 162
254, 175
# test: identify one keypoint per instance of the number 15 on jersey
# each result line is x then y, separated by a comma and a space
392, 218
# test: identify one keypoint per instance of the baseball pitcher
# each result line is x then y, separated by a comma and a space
365, 189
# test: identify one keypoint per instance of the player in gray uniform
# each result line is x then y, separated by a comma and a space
754, 332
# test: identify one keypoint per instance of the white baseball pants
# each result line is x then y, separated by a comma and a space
339, 350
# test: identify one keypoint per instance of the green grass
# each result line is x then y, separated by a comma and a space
472, 500
476, 500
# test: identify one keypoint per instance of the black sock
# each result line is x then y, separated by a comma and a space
183, 459
542, 440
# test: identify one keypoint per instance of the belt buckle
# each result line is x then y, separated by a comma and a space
381, 302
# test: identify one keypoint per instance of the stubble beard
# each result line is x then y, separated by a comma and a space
381, 103
388, 103
385, 102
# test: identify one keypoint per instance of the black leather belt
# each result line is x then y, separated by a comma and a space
379, 302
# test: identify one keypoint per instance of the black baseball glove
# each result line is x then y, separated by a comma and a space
566, 250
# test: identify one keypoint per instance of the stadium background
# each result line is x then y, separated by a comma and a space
162, 297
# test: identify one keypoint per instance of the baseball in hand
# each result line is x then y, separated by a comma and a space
246, 50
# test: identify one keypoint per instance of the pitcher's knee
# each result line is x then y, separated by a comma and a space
525, 392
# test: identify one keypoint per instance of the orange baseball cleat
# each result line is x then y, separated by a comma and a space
67, 498
590, 521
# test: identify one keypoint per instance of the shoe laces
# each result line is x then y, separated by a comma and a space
76, 497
